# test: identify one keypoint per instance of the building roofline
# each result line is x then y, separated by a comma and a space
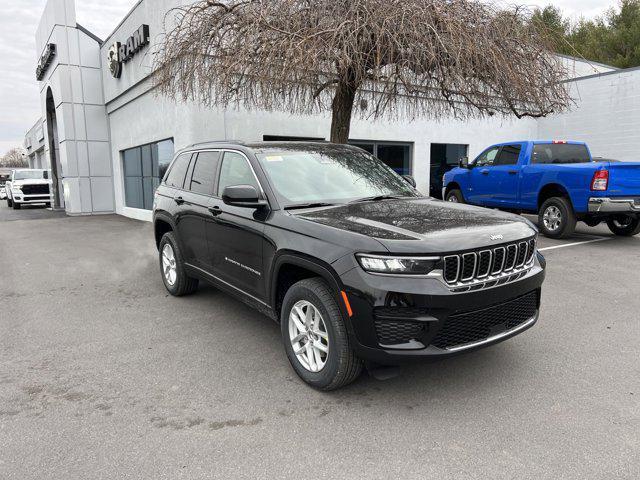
92, 35
603, 74
590, 62
124, 19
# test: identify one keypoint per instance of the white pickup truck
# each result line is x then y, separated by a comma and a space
28, 186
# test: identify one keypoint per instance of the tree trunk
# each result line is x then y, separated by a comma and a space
341, 108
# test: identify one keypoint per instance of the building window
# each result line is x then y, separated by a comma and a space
395, 155
144, 167
444, 157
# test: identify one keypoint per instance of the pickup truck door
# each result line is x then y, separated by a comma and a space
505, 176
481, 188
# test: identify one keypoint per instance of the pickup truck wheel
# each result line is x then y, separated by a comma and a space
9, 203
315, 337
16, 206
455, 196
556, 218
623, 225
174, 275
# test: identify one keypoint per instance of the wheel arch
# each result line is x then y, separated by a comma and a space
551, 190
161, 225
290, 267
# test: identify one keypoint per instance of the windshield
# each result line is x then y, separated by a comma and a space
330, 175
560, 153
31, 175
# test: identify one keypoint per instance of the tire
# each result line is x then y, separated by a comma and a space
9, 203
16, 206
182, 283
560, 221
623, 225
455, 196
341, 366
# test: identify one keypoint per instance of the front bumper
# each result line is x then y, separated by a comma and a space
426, 320
31, 199
627, 205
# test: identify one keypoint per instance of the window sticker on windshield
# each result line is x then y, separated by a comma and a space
273, 158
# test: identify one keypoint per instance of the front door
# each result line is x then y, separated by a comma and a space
236, 234
482, 183
505, 174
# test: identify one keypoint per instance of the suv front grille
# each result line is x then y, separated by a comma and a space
459, 269
475, 326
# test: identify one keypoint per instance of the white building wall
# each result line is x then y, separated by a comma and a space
606, 115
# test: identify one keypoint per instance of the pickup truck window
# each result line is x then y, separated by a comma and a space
560, 153
509, 155
487, 157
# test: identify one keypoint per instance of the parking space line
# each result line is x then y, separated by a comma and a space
602, 239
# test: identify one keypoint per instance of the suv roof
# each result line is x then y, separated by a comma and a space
268, 146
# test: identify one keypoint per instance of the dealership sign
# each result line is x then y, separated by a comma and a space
120, 53
45, 60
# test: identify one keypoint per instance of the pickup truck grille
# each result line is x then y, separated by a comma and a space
35, 189
483, 265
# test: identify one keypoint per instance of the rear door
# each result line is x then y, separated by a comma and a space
482, 185
236, 234
505, 175
193, 206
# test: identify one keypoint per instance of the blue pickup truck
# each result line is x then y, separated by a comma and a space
558, 180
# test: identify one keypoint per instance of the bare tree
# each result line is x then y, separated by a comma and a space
402, 58
14, 158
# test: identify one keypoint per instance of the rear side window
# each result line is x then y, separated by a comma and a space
175, 177
204, 173
236, 171
508, 155
560, 153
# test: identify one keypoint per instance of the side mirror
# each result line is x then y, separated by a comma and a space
243, 196
463, 162
410, 180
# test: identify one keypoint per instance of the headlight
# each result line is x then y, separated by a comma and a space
397, 264
17, 188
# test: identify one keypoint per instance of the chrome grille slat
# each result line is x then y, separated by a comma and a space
489, 267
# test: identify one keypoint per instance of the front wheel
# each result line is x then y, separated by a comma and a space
315, 337
624, 225
9, 202
556, 218
455, 196
16, 206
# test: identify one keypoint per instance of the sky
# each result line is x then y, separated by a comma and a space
19, 96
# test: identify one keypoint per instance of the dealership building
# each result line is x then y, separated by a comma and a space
108, 136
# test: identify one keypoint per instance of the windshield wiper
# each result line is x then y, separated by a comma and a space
376, 198
308, 205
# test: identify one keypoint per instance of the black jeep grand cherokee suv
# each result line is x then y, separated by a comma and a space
345, 254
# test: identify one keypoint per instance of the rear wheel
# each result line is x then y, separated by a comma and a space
174, 275
315, 337
455, 196
624, 225
556, 218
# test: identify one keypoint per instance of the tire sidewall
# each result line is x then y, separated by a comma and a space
181, 276
632, 229
325, 376
567, 215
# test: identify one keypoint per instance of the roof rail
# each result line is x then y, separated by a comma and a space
239, 142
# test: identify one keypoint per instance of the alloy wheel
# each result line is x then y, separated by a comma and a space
308, 335
452, 198
169, 264
552, 218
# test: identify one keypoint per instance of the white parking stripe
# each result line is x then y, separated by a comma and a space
576, 243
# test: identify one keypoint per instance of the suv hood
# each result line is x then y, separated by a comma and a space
425, 225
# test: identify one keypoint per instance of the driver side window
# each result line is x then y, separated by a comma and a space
487, 158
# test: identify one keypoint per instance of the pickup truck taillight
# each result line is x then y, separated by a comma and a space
600, 181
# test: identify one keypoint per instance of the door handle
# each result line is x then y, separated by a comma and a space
215, 210
513, 172
484, 172
178, 200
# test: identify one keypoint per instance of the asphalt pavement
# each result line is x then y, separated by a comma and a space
104, 375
